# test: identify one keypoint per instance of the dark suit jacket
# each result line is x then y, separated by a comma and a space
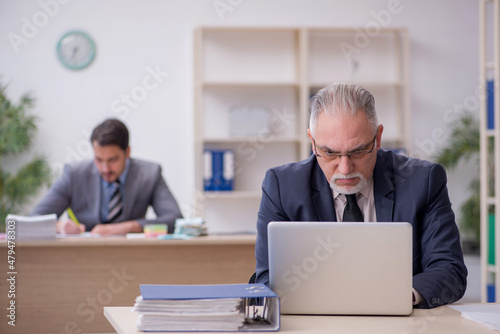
405, 190
79, 187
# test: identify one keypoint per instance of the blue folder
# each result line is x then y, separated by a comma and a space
257, 290
269, 321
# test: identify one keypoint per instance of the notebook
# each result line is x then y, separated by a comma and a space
341, 268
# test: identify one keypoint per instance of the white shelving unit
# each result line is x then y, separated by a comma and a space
381, 66
489, 57
279, 69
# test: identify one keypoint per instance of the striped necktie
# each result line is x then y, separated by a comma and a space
115, 203
352, 212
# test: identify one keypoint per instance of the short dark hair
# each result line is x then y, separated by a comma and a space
110, 132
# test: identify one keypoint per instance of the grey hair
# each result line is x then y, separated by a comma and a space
342, 99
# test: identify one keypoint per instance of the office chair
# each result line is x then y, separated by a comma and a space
252, 279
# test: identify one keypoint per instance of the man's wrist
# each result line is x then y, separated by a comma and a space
417, 297
131, 226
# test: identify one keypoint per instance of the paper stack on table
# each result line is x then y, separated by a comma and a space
192, 314
33, 228
219, 307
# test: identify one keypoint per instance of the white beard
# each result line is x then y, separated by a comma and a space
351, 189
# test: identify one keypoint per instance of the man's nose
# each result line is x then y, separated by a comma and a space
345, 165
105, 166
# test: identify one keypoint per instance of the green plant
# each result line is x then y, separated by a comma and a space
464, 146
17, 130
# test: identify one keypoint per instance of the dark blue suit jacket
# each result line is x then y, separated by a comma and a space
405, 190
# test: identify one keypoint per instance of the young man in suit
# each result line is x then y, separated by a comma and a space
111, 194
350, 178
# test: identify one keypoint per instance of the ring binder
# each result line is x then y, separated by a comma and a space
220, 307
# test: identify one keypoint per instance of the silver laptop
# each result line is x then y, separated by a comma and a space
341, 268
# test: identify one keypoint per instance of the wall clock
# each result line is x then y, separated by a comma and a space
76, 50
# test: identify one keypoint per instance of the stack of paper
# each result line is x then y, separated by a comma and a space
193, 227
225, 314
32, 228
218, 307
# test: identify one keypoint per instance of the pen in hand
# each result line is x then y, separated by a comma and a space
71, 215
71, 225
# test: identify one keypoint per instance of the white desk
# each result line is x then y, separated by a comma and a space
441, 320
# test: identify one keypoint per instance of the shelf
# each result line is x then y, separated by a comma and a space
338, 54
252, 91
368, 85
249, 55
249, 84
280, 102
490, 66
253, 138
349, 30
253, 159
393, 142
489, 48
233, 194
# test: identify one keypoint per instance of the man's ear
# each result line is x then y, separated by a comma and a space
127, 152
380, 129
312, 142
309, 133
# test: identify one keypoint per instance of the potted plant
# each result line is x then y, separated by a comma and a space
464, 146
17, 130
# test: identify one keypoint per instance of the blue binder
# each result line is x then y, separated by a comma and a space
176, 292
218, 170
491, 104
268, 319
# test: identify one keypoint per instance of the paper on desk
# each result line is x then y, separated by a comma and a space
486, 314
78, 235
33, 227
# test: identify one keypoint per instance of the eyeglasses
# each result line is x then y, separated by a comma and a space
353, 155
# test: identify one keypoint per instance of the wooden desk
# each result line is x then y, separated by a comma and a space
441, 320
62, 285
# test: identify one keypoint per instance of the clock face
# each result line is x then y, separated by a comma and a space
76, 50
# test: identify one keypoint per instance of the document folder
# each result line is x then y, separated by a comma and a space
219, 307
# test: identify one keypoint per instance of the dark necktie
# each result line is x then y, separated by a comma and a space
352, 212
115, 203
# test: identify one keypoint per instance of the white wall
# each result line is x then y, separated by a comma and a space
134, 36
